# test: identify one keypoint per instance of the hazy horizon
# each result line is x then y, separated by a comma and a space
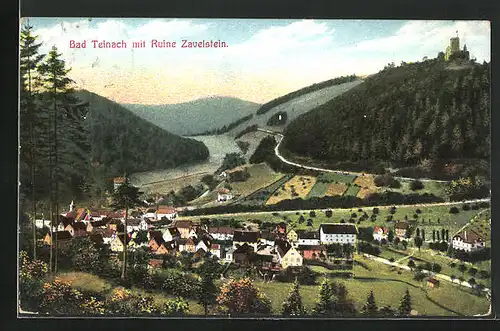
264, 58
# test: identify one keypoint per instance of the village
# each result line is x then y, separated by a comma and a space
157, 229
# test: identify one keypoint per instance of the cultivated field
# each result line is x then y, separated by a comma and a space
336, 189
367, 185
297, 187
261, 175
330, 184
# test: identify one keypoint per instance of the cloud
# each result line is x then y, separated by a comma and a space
257, 66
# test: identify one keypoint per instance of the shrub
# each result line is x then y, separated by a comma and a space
375, 210
466, 206
416, 185
418, 211
475, 206
312, 213
454, 210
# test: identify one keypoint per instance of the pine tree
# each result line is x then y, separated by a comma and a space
293, 304
370, 307
68, 159
30, 81
126, 196
325, 300
405, 305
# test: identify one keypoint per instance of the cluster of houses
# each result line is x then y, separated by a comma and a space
465, 240
272, 249
103, 225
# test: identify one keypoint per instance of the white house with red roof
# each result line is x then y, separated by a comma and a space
380, 233
468, 241
224, 194
165, 211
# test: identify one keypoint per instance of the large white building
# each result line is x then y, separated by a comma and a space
468, 241
337, 233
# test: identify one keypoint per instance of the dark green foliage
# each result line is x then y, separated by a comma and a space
404, 114
315, 87
227, 128
179, 283
248, 129
468, 188
243, 145
293, 304
304, 275
405, 306
454, 210
368, 248
279, 118
265, 153
416, 185
418, 242
365, 234
210, 181
207, 291
84, 255
386, 180
370, 307
231, 160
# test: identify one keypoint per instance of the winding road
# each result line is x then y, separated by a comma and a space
276, 151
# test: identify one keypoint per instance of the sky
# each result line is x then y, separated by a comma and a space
264, 59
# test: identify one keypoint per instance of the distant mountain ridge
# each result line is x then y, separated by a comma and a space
197, 116
123, 142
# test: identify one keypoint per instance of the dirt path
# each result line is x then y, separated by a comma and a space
276, 151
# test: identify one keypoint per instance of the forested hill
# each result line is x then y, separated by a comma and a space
123, 142
427, 110
195, 117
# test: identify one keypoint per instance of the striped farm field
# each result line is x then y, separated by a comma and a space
336, 189
367, 185
297, 187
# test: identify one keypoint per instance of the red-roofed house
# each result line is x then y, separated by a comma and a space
468, 241
167, 212
380, 233
224, 194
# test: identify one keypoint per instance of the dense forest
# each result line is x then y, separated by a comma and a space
411, 115
314, 87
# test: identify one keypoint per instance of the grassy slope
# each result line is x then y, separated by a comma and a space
387, 292
297, 106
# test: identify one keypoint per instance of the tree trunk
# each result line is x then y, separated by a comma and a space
56, 193
51, 236
124, 262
